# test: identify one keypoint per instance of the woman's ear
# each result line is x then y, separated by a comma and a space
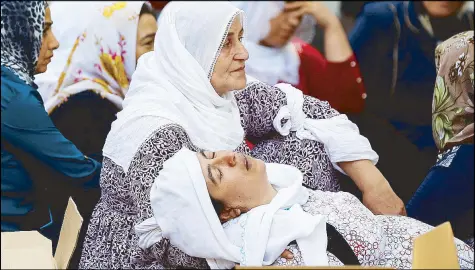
229, 213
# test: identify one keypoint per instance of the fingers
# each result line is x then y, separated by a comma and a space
236, 213
287, 255
291, 6
403, 211
294, 19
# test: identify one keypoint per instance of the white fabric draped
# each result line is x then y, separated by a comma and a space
100, 57
172, 84
70, 19
184, 214
271, 65
340, 136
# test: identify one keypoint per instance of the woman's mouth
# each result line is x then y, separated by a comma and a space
239, 69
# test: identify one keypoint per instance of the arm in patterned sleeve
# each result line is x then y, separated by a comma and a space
144, 169
259, 104
317, 109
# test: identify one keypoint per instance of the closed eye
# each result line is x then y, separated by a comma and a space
213, 155
212, 177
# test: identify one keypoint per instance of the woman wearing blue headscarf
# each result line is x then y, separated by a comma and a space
37, 161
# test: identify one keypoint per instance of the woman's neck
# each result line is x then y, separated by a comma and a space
267, 195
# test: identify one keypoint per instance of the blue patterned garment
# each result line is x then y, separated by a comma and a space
22, 28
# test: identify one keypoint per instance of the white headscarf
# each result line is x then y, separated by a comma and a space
184, 214
70, 19
102, 57
266, 64
172, 84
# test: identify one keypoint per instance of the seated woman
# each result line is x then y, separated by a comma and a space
265, 207
394, 42
278, 43
447, 191
96, 75
183, 94
39, 165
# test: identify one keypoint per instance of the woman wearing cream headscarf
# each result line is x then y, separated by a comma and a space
447, 191
96, 72
185, 93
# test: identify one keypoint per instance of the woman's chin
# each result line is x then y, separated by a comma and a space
240, 81
261, 165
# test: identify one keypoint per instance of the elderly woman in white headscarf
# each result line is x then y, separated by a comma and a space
279, 49
329, 228
182, 95
87, 83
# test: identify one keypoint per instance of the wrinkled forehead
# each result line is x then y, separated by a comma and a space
201, 27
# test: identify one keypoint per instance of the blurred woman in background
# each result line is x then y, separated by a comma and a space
95, 77
394, 43
97, 72
447, 191
277, 39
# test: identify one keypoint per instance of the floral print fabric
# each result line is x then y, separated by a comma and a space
103, 56
452, 107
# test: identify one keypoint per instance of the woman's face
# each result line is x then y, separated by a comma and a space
48, 44
441, 9
228, 73
234, 179
146, 29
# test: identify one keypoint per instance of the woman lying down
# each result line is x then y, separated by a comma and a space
265, 208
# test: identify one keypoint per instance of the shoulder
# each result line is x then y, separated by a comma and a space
165, 141
382, 13
257, 88
15, 91
170, 134
160, 146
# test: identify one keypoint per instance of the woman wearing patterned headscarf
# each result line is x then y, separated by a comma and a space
447, 191
36, 158
89, 91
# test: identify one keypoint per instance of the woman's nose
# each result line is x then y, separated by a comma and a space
54, 42
242, 54
228, 159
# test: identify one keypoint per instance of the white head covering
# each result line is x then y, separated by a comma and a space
272, 65
184, 214
172, 84
102, 57
70, 19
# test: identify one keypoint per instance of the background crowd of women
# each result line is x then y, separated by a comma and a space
55, 124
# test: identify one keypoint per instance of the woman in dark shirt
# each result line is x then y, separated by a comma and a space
37, 160
394, 42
